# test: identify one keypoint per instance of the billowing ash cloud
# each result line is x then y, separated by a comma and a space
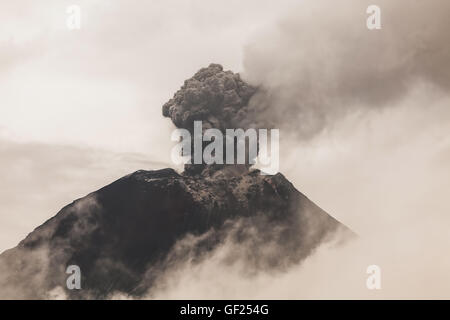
216, 97
322, 62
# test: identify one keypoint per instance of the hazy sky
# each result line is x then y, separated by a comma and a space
79, 109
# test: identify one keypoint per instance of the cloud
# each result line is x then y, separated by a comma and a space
333, 272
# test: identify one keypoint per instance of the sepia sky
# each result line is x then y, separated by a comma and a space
364, 115
68, 95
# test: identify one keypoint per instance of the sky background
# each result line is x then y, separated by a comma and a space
79, 109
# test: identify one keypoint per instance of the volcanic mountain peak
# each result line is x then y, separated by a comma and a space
124, 236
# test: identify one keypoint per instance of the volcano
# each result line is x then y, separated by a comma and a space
124, 236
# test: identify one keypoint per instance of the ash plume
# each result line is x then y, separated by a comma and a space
218, 98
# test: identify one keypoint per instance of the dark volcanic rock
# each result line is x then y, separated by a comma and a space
120, 233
